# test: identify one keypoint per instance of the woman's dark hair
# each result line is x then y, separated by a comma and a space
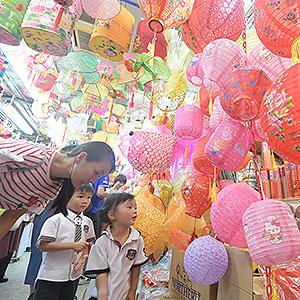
121, 178
111, 203
96, 152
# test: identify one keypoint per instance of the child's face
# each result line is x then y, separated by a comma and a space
118, 184
125, 214
79, 201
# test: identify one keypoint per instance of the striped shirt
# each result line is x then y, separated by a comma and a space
25, 175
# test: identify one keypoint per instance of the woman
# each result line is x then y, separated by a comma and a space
31, 175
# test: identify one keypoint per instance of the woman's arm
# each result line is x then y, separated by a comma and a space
101, 193
102, 286
46, 246
135, 274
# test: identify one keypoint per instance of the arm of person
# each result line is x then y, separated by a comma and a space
47, 246
101, 193
135, 274
102, 286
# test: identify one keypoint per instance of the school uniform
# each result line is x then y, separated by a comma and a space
107, 255
57, 278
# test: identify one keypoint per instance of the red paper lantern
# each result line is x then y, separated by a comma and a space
195, 191
280, 115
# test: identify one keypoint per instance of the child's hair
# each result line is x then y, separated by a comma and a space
88, 188
111, 203
121, 178
96, 152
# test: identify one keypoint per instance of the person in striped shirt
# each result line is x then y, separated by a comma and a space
33, 174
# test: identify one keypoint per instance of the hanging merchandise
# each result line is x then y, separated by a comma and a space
11, 16
46, 80
280, 115
218, 115
38, 26
3, 68
251, 40
194, 71
111, 38
207, 100
271, 232
242, 93
102, 10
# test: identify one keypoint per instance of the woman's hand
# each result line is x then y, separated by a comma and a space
80, 246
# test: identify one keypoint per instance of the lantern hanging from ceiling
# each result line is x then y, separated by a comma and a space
163, 15
206, 101
111, 38
194, 71
188, 122
277, 26
11, 17
219, 59
195, 192
206, 260
218, 114
226, 214
271, 232
273, 65
102, 10
280, 115
242, 93
228, 145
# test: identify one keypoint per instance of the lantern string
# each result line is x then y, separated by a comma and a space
269, 289
275, 296
244, 38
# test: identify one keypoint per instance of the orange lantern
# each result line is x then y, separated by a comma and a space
280, 115
195, 191
206, 100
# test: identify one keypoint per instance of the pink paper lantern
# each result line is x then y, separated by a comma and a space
228, 145
271, 232
257, 131
219, 59
218, 115
226, 214
194, 71
103, 10
273, 65
188, 122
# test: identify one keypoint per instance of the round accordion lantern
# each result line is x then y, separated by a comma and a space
243, 92
102, 10
206, 260
11, 16
194, 71
150, 152
226, 214
271, 232
111, 38
280, 115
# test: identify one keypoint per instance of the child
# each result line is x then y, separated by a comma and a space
118, 254
119, 182
64, 239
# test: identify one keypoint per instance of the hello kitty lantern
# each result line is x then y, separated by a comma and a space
228, 145
271, 232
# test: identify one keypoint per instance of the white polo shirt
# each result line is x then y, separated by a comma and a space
59, 265
107, 256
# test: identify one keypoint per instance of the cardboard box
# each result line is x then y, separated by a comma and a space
238, 283
182, 287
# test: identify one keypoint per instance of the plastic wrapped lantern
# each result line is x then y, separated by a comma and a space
273, 65
195, 192
271, 232
206, 260
188, 122
110, 39
277, 24
219, 59
218, 114
226, 214
10, 20
280, 115
150, 152
242, 93
145, 35
163, 15
102, 10
228, 145
194, 71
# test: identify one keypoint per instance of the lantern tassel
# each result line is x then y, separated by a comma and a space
165, 118
214, 190
186, 153
197, 101
131, 104
273, 163
275, 296
210, 106
151, 110
58, 18
111, 111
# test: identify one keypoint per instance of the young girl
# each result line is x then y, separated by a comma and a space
118, 254
64, 239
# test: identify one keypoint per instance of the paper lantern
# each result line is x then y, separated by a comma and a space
257, 131
188, 122
206, 260
200, 161
205, 99
144, 36
102, 10
150, 152
195, 192
11, 16
164, 15
271, 232
39, 29
111, 38
242, 93
280, 115
276, 24
273, 65
219, 59
245, 162
252, 40
194, 71
218, 114
228, 145
226, 214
